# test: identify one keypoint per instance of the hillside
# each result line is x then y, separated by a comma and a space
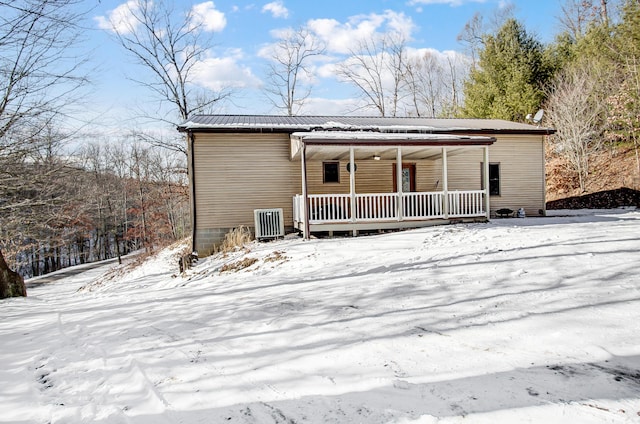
611, 171
511, 321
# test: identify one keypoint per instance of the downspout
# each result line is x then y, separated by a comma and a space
192, 183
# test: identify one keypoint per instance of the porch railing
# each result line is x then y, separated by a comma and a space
333, 208
466, 203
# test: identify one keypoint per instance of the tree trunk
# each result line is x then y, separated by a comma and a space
11, 283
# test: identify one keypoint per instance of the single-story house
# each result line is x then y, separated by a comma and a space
345, 173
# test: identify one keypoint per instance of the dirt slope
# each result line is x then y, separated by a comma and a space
613, 182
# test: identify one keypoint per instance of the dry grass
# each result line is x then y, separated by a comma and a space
276, 257
236, 239
238, 265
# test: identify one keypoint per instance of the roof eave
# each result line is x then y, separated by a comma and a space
292, 129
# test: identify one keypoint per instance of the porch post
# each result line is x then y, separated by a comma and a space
487, 206
305, 194
352, 184
399, 182
445, 183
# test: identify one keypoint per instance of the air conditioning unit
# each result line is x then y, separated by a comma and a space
269, 223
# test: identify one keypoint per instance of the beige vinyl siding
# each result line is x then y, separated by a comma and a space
374, 177
521, 160
429, 175
464, 170
237, 173
371, 177
522, 184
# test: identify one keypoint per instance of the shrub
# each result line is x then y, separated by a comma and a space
236, 239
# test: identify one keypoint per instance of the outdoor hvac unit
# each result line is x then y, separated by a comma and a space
269, 223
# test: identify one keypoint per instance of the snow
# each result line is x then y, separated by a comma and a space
371, 136
516, 320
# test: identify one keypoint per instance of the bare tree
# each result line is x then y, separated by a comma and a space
170, 46
39, 80
424, 84
289, 69
578, 113
474, 31
472, 36
456, 72
377, 70
576, 15
433, 83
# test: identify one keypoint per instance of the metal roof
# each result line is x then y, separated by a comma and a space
279, 123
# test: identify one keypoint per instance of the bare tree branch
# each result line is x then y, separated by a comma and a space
289, 70
170, 49
377, 71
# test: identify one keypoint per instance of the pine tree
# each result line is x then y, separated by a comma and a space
510, 78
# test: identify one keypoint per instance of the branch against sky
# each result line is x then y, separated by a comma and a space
376, 69
473, 33
290, 71
39, 76
170, 45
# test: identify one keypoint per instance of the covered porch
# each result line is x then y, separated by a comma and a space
401, 206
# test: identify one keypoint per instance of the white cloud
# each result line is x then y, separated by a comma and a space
221, 73
277, 9
208, 16
333, 107
121, 19
345, 37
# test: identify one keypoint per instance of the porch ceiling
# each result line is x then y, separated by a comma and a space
334, 145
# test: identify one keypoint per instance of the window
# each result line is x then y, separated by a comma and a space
494, 178
331, 172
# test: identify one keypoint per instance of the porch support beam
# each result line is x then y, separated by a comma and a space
399, 181
485, 183
445, 184
352, 184
305, 193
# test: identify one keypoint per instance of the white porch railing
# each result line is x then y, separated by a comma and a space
334, 208
376, 207
422, 205
466, 203
329, 207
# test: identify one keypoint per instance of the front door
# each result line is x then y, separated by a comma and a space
408, 178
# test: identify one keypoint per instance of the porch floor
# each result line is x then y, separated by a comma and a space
378, 225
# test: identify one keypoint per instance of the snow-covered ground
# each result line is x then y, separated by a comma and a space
517, 320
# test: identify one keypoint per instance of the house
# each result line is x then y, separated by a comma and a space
344, 173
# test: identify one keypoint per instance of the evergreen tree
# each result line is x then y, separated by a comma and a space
510, 78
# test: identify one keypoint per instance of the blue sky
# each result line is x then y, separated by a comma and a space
242, 29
